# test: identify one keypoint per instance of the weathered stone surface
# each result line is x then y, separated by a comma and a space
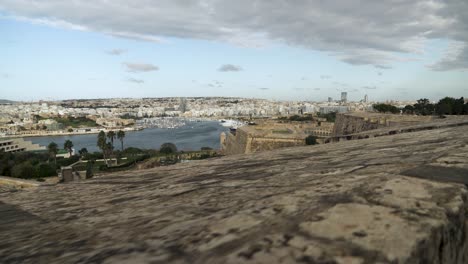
334, 203
14, 184
347, 128
356, 122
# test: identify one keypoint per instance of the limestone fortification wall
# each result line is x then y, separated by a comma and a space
264, 143
347, 124
244, 142
351, 123
236, 144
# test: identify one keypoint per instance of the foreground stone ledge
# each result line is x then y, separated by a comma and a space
9, 183
335, 203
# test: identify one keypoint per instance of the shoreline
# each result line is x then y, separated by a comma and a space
67, 133
97, 130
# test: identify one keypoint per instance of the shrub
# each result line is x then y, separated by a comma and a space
206, 148
168, 148
24, 170
311, 140
132, 150
386, 108
46, 170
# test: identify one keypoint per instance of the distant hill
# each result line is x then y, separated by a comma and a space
4, 101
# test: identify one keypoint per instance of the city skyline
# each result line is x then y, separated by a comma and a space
305, 51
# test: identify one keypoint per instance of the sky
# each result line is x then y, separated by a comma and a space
272, 49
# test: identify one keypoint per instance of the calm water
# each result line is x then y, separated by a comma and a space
192, 136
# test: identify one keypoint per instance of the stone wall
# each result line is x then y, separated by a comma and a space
272, 135
264, 143
352, 123
235, 144
347, 124
358, 201
245, 141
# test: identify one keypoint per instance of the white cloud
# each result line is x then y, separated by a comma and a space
229, 68
455, 57
140, 67
359, 32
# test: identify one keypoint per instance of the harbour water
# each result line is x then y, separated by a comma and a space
192, 135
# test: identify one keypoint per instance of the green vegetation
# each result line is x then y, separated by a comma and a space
331, 117
76, 122
168, 148
103, 145
424, 107
311, 140
386, 108
308, 117
83, 152
301, 118
111, 136
445, 106
206, 148
30, 165
68, 146
53, 150
121, 136
128, 158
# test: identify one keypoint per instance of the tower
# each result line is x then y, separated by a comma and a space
344, 97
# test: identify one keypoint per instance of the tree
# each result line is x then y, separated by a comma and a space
450, 106
53, 150
102, 143
45, 170
108, 149
24, 170
83, 152
111, 137
68, 145
409, 109
311, 140
386, 108
89, 169
424, 107
121, 136
168, 148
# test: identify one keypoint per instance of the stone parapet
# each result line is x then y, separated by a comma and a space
392, 199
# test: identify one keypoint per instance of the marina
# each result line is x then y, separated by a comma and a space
186, 134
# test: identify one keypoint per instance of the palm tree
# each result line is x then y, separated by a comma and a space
110, 148
102, 143
53, 150
121, 136
111, 137
68, 145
